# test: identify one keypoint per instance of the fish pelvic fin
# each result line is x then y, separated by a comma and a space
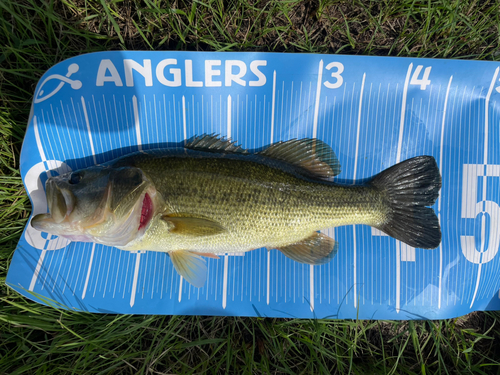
316, 249
408, 189
191, 266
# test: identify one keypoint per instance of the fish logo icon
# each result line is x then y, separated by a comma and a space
75, 84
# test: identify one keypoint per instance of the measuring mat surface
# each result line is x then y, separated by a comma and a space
373, 112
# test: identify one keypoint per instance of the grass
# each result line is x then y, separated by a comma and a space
34, 339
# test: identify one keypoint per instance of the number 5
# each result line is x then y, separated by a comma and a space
471, 208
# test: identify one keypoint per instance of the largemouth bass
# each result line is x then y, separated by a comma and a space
212, 196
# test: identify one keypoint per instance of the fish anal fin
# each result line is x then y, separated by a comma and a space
193, 226
312, 157
191, 266
316, 249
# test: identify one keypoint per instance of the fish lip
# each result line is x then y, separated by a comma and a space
40, 221
69, 198
60, 201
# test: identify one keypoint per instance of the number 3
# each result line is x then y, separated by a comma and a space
337, 75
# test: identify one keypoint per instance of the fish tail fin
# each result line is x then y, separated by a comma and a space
408, 189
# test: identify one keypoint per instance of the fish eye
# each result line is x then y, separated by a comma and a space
75, 178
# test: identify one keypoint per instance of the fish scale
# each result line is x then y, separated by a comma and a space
258, 205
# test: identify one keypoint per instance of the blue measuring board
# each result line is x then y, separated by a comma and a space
373, 111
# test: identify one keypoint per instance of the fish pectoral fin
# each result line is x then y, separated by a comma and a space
193, 226
316, 249
191, 266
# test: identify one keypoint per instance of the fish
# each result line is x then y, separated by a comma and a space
211, 196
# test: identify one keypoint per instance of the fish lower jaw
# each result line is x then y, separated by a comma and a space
78, 237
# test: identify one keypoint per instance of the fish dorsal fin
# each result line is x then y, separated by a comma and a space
191, 266
316, 249
214, 143
313, 157
192, 226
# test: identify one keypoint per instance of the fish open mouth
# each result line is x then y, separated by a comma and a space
61, 203
89, 221
146, 211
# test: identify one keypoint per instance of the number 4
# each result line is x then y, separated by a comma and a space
425, 81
